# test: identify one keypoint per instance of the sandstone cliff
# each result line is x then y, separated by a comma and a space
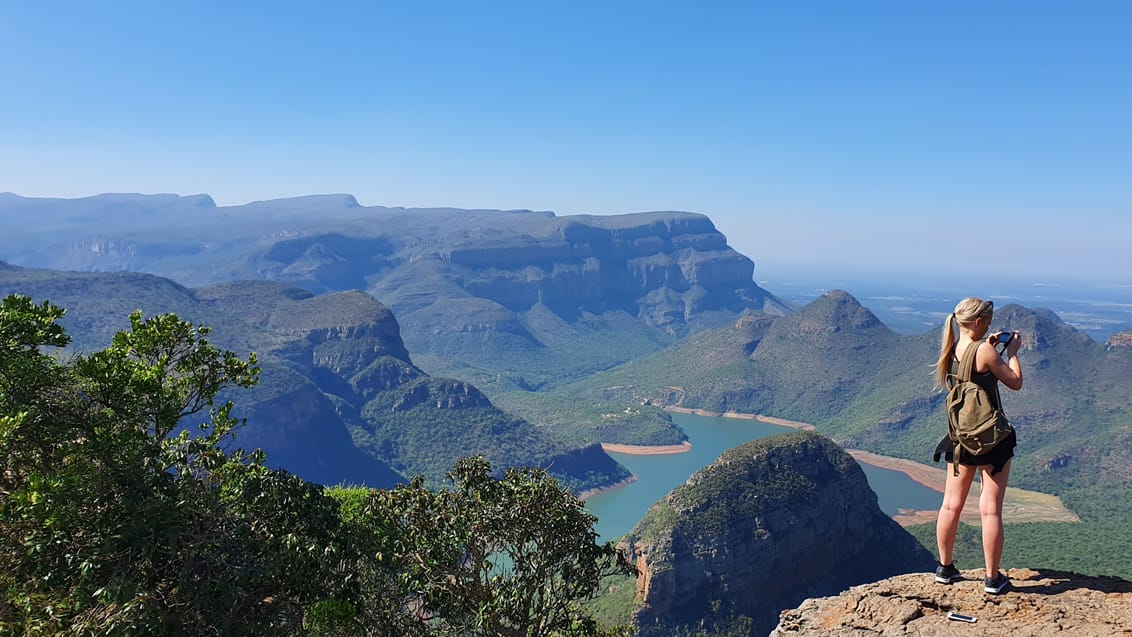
768, 524
516, 299
1042, 603
1121, 339
499, 298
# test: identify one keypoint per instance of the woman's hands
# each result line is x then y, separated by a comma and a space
1013, 342
1008, 371
1013, 345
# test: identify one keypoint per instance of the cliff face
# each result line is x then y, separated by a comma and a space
768, 524
473, 290
514, 300
307, 432
1041, 603
664, 268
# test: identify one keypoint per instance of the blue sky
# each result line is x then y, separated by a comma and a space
983, 137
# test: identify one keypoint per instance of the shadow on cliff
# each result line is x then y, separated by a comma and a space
1062, 581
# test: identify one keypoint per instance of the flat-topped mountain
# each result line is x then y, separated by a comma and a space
766, 525
339, 399
505, 299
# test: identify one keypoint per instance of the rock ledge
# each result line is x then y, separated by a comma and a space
1040, 603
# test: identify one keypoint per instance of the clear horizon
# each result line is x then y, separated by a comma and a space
985, 140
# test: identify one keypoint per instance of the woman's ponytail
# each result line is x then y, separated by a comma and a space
946, 352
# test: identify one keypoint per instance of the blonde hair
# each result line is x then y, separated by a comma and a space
966, 311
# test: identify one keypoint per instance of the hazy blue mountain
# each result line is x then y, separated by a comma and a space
339, 399
509, 300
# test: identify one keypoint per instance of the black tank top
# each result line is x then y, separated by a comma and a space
987, 380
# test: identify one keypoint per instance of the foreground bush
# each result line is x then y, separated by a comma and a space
122, 513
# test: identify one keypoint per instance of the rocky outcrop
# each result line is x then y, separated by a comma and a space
767, 525
441, 394
1122, 339
346, 331
1040, 603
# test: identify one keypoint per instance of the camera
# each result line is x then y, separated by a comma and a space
1002, 338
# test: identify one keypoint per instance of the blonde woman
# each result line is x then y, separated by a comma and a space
973, 317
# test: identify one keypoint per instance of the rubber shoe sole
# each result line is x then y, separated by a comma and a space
997, 585
947, 575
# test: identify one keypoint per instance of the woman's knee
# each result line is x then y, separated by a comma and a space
952, 506
991, 516
990, 509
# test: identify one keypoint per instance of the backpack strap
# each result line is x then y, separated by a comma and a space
963, 375
967, 363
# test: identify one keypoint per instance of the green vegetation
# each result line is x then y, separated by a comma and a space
1092, 548
739, 487
391, 428
831, 365
594, 420
339, 398
119, 516
623, 405
615, 604
520, 352
499, 557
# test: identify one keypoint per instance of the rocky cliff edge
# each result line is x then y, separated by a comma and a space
1040, 603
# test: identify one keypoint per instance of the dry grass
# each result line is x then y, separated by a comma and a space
1020, 505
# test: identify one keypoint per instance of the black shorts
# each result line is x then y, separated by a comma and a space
996, 458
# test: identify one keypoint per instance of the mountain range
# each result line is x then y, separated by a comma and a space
395, 340
833, 364
588, 326
503, 299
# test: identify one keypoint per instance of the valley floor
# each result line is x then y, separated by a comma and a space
738, 416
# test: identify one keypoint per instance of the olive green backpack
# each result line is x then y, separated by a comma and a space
975, 420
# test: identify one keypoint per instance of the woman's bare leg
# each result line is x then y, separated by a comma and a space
955, 492
990, 510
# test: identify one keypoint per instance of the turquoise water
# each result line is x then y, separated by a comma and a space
618, 510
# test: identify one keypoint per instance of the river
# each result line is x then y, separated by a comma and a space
618, 510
